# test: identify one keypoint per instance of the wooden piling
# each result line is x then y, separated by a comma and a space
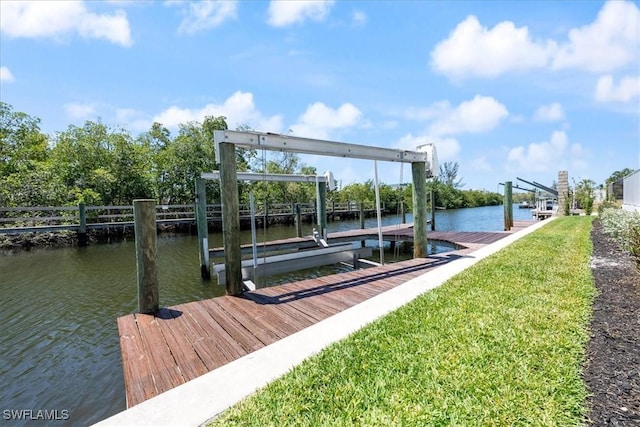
203, 228
432, 199
508, 206
82, 230
144, 215
362, 242
322, 209
230, 218
419, 175
298, 220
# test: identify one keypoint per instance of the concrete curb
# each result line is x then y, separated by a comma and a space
202, 399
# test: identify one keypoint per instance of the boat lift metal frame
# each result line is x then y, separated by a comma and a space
424, 165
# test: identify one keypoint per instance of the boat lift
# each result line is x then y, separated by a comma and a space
253, 269
226, 142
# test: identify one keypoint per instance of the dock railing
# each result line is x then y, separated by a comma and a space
57, 218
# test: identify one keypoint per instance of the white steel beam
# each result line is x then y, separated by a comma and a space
293, 144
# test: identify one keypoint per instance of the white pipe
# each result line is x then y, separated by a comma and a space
378, 213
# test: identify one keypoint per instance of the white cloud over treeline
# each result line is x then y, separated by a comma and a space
61, 19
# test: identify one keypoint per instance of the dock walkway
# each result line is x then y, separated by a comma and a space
182, 342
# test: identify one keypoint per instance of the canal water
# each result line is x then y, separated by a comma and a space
59, 343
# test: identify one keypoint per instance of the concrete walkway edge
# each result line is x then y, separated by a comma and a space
202, 399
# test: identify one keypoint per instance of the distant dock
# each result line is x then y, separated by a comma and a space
182, 342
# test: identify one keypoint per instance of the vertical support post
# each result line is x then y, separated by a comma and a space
82, 230
508, 206
322, 209
432, 200
378, 212
419, 176
254, 239
203, 228
298, 220
362, 242
402, 212
230, 217
144, 216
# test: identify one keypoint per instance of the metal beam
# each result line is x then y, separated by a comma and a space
293, 144
540, 186
519, 188
547, 189
272, 177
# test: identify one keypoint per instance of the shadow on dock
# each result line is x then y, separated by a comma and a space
286, 297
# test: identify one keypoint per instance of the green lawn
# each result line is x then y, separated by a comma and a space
500, 344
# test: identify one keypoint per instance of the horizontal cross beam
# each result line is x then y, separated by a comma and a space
293, 144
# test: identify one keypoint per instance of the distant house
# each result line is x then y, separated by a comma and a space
631, 192
614, 190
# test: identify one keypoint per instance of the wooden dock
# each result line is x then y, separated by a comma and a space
182, 342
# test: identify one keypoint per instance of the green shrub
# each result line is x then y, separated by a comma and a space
608, 204
624, 227
634, 245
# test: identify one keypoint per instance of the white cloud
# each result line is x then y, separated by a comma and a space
284, 13
318, 120
549, 113
80, 111
6, 75
481, 114
132, 119
205, 15
447, 149
359, 18
627, 89
548, 156
610, 42
481, 164
31, 19
239, 109
473, 50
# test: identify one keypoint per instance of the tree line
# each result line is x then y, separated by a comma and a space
100, 165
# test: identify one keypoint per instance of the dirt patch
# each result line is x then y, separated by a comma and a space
612, 371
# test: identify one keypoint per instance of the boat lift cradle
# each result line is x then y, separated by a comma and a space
303, 259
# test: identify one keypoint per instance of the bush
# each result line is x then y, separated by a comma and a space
624, 227
608, 204
634, 245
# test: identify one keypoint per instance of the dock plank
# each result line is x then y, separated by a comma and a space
221, 346
247, 340
137, 372
176, 331
166, 373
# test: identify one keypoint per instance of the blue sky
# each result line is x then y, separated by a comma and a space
506, 89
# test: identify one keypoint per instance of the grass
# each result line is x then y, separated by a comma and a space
502, 343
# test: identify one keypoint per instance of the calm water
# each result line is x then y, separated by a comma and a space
59, 341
